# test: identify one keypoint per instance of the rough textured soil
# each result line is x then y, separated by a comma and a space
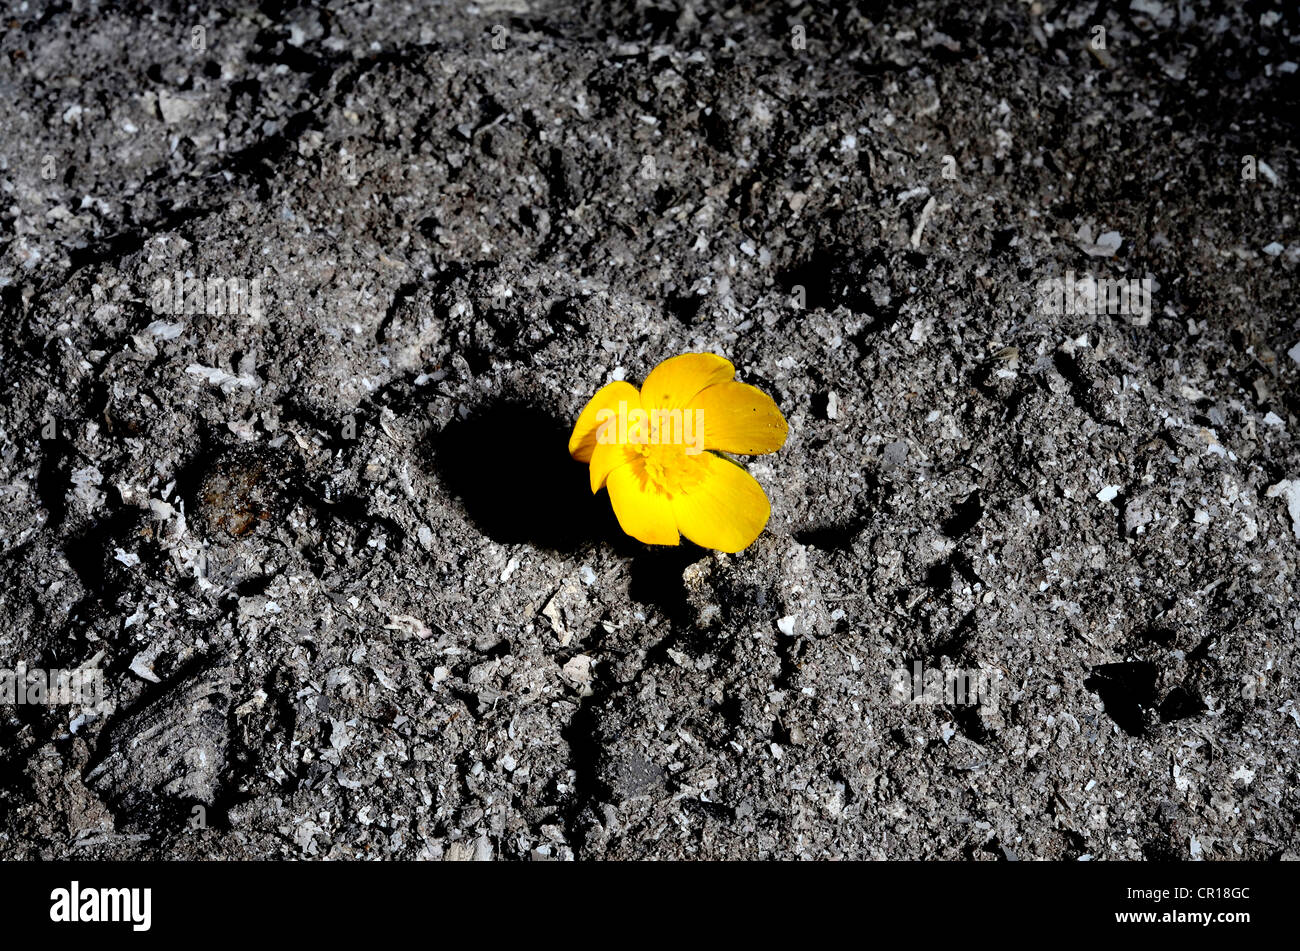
350, 596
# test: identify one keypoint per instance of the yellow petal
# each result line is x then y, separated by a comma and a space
674, 382
737, 417
643, 512
726, 510
607, 457
583, 440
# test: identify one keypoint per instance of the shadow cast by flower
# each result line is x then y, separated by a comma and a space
508, 464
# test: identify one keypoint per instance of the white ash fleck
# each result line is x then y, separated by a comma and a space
1106, 245
85, 481
220, 378
142, 666
409, 624
341, 733
577, 672
1288, 489
130, 559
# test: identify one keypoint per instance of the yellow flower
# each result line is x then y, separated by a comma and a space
650, 450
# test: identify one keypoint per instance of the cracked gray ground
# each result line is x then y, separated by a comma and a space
352, 599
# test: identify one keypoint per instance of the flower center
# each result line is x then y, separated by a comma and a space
668, 468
